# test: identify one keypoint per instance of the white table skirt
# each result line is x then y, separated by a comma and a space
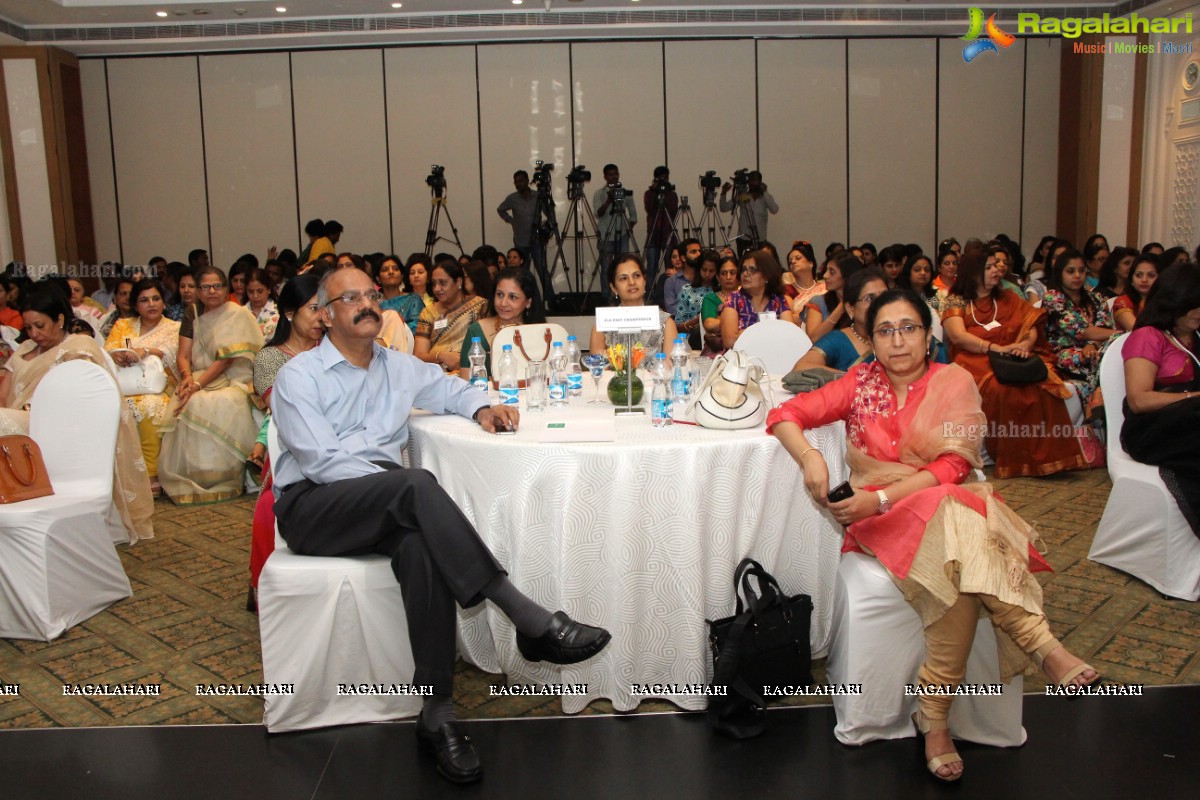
640, 535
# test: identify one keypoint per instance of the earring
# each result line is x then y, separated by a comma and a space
289, 317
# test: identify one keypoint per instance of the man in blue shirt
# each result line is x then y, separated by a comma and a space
342, 412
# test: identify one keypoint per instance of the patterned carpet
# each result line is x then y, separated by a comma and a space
186, 623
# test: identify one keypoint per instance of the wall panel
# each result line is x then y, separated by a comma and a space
28, 137
893, 90
341, 145
433, 118
247, 101
802, 137
1040, 206
979, 142
1116, 137
159, 157
94, 85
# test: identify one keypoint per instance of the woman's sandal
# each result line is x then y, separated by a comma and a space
255, 465
1070, 675
924, 726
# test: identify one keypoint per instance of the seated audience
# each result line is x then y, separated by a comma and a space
627, 282
514, 258
826, 312
691, 297
951, 546
1095, 253
947, 266
122, 305
516, 301
442, 326
211, 426
1036, 288
846, 347
1162, 387
81, 304
478, 281
979, 318
689, 253
917, 275
260, 299
1128, 306
674, 263
185, 295
710, 310
237, 281
761, 291
46, 312
891, 262
148, 334
8, 315
800, 281
416, 279
1114, 275
1078, 324
390, 280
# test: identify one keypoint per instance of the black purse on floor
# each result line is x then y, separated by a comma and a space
765, 643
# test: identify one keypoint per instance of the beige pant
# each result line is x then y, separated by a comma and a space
151, 441
948, 643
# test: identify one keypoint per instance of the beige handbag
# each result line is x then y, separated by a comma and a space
732, 396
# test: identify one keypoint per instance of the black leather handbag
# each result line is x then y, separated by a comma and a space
765, 643
1016, 371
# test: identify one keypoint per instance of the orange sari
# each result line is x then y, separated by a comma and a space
1029, 429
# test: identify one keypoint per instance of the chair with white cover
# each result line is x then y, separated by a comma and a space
329, 621
1142, 531
877, 642
780, 344
533, 339
58, 566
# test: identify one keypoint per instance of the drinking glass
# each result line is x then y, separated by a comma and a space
596, 364
535, 386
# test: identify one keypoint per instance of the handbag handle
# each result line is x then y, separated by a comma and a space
13, 467
768, 588
520, 346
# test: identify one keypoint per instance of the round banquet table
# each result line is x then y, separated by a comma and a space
640, 535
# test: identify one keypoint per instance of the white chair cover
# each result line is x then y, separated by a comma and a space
878, 642
778, 343
58, 566
1142, 531
329, 621
534, 339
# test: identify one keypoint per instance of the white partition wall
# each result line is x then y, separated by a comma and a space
525, 96
802, 138
250, 161
158, 155
893, 115
979, 142
1039, 206
101, 179
29, 163
1116, 135
433, 118
341, 145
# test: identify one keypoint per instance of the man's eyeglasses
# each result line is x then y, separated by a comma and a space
907, 331
211, 287
354, 298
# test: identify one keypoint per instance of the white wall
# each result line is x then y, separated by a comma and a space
867, 139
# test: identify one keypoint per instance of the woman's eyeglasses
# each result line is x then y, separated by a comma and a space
906, 331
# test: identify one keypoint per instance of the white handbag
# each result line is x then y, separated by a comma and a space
732, 395
147, 376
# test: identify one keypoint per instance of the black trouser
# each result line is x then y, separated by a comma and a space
437, 556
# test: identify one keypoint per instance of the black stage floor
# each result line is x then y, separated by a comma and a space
1090, 747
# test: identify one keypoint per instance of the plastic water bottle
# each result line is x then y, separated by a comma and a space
479, 376
660, 398
574, 371
558, 376
506, 376
681, 373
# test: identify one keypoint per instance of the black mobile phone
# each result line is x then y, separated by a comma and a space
841, 492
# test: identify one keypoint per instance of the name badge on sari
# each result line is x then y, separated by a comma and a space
441, 324
990, 326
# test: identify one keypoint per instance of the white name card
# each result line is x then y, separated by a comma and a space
627, 319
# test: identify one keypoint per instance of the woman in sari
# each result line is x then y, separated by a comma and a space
516, 301
801, 284
443, 326
46, 313
848, 347
390, 280
951, 546
1078, 324
211, 426
978, 318
133, 339
1128, 306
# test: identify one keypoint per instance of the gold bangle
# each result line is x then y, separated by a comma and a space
806, 452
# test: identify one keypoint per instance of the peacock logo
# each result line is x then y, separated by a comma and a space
995, 36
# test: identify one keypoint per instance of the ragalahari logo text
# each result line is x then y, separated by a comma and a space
995, 36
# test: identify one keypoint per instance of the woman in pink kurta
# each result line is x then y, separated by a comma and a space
950, 544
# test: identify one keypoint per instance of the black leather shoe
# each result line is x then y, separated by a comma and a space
564, 642
457, 760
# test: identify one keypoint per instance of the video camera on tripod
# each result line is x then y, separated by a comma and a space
741, 181
709, 184
541, 176
576, 178
436, 179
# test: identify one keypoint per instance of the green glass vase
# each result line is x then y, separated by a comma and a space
616, 389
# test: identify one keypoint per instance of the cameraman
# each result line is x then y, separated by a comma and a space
661, 204
614, 226
756, 202
518, 210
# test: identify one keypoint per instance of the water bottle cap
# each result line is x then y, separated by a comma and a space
570, 338
507, 348
558, 344
660, 356
474, 339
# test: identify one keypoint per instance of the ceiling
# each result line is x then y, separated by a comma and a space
90, 27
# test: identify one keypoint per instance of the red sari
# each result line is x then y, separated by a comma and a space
1029, 427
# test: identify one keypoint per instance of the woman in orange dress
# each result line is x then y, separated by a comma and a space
1029, 429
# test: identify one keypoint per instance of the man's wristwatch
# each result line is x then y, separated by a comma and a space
885, 505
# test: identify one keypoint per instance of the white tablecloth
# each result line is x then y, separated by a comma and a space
640, 535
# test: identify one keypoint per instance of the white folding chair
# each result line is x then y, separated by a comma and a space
58, 566
1142, 531
329, 621
877, 641
779, 344
533, 339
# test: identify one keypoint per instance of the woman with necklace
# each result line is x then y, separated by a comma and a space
627, 281
1129, 305
846, 347
1078, 323
1034, 427
762, 291
442, 327
1162, 385
516, 301
826, 312
710, 309
46, 313
800, 282
390, 280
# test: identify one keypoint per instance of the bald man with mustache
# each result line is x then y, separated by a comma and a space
342, 412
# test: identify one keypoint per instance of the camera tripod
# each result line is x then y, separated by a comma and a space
742, 214
661, 252
435, 216
711, 217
